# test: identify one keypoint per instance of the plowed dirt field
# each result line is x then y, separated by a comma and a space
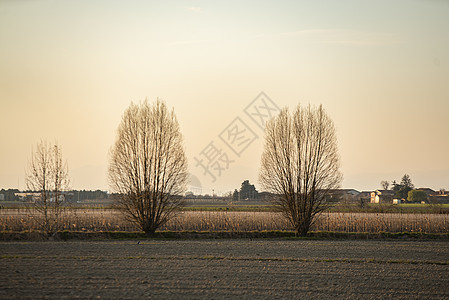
216, 269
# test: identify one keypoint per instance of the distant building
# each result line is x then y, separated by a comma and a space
33, 197
382, 196
2, 197
398, 201
343, 195
28, 197
428, 191
440, 197
364, 196
61, 199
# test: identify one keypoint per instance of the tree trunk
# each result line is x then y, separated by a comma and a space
149, 228
303, 227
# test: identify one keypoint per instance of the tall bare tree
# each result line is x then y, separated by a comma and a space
47, 175
148, 166
300, 163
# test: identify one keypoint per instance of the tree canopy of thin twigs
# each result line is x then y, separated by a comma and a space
385, 184
148, 166
47, 175
300, 163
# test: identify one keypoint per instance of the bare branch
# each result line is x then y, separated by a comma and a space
300, 163
148, 166
48, 176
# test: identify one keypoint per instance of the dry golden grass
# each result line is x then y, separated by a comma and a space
72, 219
112, 220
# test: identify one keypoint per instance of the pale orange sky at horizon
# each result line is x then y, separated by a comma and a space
69, 69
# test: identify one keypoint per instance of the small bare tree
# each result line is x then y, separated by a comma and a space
48, 176
385, 184
300, 163
148, 166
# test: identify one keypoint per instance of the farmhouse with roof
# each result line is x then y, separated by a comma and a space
382, 196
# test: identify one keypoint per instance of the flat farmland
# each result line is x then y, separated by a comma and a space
242, 268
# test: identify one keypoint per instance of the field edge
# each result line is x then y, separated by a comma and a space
121, 235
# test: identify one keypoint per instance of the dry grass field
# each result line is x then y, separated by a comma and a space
92, 220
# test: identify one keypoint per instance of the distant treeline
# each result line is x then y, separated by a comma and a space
74, 195
9, 194
89, 195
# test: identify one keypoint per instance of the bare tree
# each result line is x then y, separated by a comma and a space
385, 184
48, 176
300, 163
148, 166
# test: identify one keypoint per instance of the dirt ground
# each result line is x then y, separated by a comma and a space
217, 269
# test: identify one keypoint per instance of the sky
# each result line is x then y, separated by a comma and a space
69, 69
